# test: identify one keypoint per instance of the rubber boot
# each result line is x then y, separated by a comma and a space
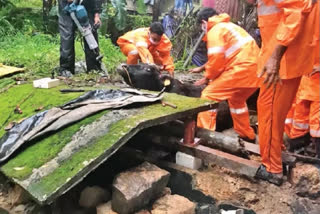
299, 142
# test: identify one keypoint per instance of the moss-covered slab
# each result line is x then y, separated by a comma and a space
51, 166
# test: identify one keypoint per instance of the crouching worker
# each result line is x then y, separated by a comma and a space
150, 45
230, 71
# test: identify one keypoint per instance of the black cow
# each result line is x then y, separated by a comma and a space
149, 77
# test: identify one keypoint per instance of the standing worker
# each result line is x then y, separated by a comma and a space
67, 29
303, 119
150, 45
230, 71
287, 31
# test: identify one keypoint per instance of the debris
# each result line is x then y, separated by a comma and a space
93, 196
105, 209
306, 179
20, 209
8, 70
46, 83
239, 211
39, 108
166, 191
70, 90
18, 196
173, 204
305, 206
9, 126
135, 188
168, 104
18, 110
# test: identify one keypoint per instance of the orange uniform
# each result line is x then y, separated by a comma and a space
231, 69
304, 115
136, 45
290, 23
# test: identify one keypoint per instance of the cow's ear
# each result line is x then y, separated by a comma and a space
166, 82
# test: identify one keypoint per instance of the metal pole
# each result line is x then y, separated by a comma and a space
193, 50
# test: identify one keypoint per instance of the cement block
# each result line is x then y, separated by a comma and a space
46, 83
188, 161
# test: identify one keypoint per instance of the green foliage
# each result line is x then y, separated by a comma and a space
38, 53
14, 19
4, 3
120, 14
138, 21
112, 54
141, 7
27, 3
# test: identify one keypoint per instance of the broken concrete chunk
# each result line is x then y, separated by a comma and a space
135, 188
173, 204
306, 178
93, 196
105, 209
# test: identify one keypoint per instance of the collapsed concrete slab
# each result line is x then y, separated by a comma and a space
50, 166
135, 188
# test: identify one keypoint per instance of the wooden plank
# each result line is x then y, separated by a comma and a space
229, 161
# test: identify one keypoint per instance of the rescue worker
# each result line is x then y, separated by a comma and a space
67, 30
287, 30
303, 119
230, 71
150, 45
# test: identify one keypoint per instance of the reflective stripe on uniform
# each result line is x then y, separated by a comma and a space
301, 125
238, 45
315, 133
240, 39
215, 50
238, 110
267, 10
213, 110
288, 121
133, 52
141, 44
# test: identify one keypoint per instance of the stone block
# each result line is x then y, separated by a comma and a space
135, 188
173, 204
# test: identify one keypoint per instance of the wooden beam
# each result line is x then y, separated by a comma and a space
239, 165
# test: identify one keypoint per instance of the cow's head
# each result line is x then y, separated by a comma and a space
142, 76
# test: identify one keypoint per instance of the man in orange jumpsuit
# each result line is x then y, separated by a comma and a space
230, 71
287, 30
150, 45
304, 115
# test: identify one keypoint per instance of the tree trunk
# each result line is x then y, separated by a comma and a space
46, 7
156, 11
